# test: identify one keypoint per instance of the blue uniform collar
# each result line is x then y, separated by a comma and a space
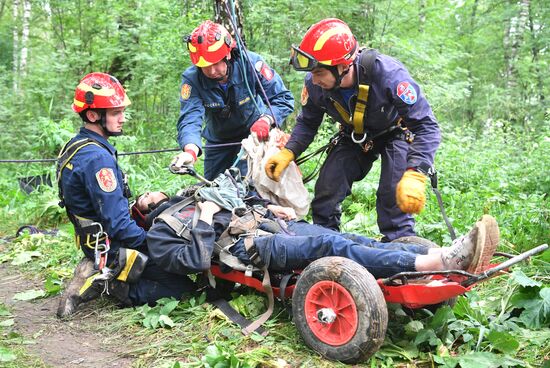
87, 133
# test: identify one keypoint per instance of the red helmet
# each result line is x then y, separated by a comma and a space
328, 42
99, 91
209, 43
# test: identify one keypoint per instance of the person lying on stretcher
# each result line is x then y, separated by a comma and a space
183, 239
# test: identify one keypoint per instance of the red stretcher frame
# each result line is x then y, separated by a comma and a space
411, 289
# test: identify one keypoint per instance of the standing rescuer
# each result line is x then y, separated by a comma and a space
382, 113
216, 89
93, 190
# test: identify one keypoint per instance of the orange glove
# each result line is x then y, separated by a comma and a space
410, 193
277, 163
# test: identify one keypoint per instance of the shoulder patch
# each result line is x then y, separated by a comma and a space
304, 96
406, 92
106, 179
264, 70
185, 91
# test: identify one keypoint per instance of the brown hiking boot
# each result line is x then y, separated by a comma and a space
492, 236
466, 250
78, 291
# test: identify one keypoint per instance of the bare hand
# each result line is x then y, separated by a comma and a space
285, 213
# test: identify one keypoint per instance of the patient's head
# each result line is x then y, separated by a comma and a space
145, 204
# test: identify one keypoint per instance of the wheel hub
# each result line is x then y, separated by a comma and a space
326, 315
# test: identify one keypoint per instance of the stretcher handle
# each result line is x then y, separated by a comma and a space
504, 265
189, 170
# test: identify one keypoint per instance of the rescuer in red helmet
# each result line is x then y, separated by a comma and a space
93, 189
382, 113
220, 88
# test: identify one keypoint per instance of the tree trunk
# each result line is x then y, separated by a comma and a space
25, 37
221, 16
535, 49
513, 40
470, 110
15, 46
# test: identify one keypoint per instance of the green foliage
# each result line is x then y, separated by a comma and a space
488, 95
534, 301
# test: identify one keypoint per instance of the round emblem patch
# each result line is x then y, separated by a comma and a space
406, 92
106, 179
185, 91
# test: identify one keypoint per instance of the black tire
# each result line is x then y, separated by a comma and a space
350, 285
413, 239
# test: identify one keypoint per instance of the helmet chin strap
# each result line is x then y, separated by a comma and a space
103, 125
338, 77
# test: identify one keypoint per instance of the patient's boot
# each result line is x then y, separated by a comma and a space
465, 251
79, 289
492, 235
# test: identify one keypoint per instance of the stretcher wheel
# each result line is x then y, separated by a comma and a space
339, 310
413, 239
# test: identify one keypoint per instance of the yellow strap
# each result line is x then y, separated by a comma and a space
360, 109
341, 110
67, 161
131, 256
358, 113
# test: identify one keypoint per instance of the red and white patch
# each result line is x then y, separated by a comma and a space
106, 179
185, 91
264, 70
406, 92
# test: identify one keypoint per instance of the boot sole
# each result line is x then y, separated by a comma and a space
492, 237
480, 247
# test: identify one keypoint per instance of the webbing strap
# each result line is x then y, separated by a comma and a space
364, 76
167, 216
341, 110
360, 109
266, 283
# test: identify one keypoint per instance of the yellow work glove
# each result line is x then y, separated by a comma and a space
277, 163
411, 192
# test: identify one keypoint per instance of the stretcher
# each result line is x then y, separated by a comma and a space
340, 309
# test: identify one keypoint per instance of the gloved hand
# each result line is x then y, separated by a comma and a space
411, 192
277, 163
186, 158
261, 127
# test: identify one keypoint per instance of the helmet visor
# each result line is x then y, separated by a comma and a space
301, 61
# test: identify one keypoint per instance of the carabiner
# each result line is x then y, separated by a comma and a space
358, 140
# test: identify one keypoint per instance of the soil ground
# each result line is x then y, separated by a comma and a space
69, 343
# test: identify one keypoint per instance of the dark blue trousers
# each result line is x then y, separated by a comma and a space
155, 283
282, 252
346, 164
218, 159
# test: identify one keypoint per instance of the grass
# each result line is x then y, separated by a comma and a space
484, 174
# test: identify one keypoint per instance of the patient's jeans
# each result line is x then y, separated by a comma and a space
284, 252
